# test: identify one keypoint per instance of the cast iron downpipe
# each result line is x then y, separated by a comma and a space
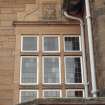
90, 40
83, 50
91, 51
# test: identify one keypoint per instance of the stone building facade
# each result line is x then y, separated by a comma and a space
41, 17
98, 30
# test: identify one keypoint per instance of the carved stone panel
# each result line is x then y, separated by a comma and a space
43, 10
49, 11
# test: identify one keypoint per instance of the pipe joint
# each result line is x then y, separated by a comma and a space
94, 93
88, 17
86, 83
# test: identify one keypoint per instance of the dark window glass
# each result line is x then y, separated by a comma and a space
75, 93
73, 70
72, 44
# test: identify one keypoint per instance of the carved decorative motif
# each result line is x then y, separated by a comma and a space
43, 10
49, 11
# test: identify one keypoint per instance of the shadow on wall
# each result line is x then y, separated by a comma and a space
74, 7
101, 93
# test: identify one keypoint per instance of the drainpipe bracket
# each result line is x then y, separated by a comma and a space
94, 92
88, 17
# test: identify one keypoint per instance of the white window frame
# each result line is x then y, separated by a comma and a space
79, 43
75, 90
21, 70
33, 37
50, 36
20, 92
81, 69
52, 90
59, 69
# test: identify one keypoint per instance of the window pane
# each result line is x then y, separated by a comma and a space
51, 44
51, 70
74, 93
28, 96
73, 69
52, 94
29, 70
29, 44
72, 43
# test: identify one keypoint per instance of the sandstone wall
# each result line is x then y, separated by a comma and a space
8, 13
99, 41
